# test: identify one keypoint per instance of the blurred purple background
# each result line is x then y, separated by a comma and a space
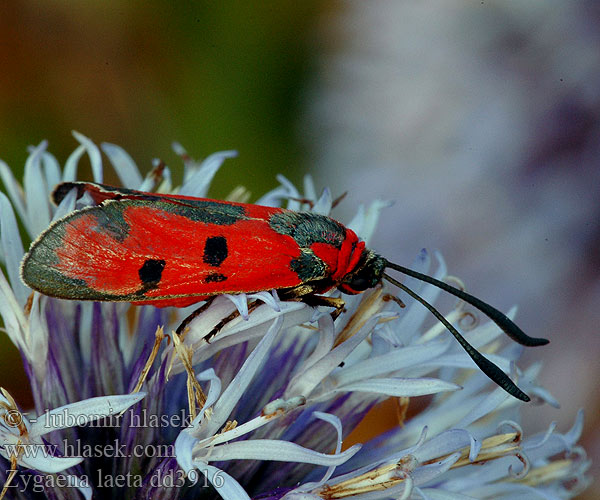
482, 122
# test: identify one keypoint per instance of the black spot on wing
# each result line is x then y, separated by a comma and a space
215, 278
150, 273
307, 228
215, 250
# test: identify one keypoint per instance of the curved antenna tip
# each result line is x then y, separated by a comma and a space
505, 324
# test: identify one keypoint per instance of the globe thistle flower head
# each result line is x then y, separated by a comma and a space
261, 409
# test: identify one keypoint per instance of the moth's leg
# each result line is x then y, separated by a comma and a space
251, 306
306, 293
185, 323
320, 300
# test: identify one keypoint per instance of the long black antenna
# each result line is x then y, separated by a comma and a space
486, 366
507, 326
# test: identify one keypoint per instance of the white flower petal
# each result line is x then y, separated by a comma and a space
364, 222
52, 172
305, 382
49, 464
435, 494
230, 397
534, 443
426, 473
269, 298
285, 191
277, 450
293, 313
555, 443
337, 424
400, 491
414, 314
573, 435
358, 221
94, 154
164, 181
67, 204
36, 336
283, 405
445, 443
325, 344
400, 387
238, 431
15, 322
124, 166
241, 303
83, 412
298, 495
226, 486
290, 193
36, 192
15, 193
490, 471
398, 359
184, 450
197, 180
12, 249
220, 308
323, 204
70, 169
275, 408
178, 149
273, 198
442, 269
214, 391
310, 193
490, 403
541, 393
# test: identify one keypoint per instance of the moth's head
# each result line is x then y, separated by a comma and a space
365, 275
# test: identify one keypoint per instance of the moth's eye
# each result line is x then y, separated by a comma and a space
359, 284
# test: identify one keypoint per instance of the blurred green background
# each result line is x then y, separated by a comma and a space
211, 75
481, 119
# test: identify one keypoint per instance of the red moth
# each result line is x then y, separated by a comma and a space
169, 250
